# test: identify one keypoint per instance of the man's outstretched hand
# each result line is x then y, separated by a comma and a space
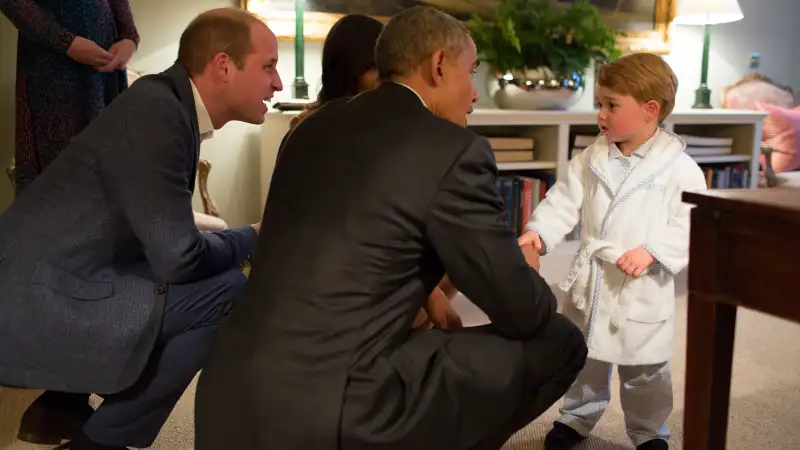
531, 254
531, 238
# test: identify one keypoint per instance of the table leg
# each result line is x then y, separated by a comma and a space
709, 360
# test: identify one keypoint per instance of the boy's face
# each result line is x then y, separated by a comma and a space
621, 118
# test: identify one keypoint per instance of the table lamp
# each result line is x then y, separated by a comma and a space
706, 13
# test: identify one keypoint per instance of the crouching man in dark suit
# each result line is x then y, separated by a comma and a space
374, 197
106, 285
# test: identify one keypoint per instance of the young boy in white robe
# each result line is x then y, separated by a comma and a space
625, 192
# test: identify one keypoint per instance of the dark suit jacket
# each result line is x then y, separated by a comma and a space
89, 249
371, 200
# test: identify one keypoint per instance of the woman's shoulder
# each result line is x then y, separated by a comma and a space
303, 114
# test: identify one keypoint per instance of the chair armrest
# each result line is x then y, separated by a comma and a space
209, 207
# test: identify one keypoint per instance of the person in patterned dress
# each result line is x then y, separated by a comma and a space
71, 58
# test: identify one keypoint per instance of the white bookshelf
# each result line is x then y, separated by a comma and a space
553, 133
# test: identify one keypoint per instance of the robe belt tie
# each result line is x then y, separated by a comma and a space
580, 273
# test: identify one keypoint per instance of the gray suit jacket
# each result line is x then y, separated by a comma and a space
88, 251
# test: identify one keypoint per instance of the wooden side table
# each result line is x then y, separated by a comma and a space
744, 249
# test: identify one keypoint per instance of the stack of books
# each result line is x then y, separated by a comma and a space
707, 146
512, 149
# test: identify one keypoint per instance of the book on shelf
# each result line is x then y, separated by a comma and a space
731, 176
706, 141
707, 145
521, 194
510, 143
708, 151
511, 149
513, 155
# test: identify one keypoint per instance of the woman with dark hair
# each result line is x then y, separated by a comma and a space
348, 60
348, 57
348, 68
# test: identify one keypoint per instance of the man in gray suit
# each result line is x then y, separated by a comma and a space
106, 284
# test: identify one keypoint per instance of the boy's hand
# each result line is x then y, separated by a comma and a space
532, 238
635, 261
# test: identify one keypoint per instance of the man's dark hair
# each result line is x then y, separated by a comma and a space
414, 35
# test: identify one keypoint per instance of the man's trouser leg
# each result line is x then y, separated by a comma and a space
135, 416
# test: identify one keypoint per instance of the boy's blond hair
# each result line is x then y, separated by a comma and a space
643, 76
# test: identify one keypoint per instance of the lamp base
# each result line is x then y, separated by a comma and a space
702, 98
300, 88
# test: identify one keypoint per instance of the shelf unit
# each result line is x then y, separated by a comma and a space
554, 131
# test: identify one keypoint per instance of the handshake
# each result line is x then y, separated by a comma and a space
531, 246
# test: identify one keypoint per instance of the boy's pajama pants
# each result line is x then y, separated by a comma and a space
645, 395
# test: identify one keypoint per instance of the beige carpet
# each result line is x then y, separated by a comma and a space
764, 404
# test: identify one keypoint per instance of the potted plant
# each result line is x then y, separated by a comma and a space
539, 53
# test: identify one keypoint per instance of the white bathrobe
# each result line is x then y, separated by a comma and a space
626, 320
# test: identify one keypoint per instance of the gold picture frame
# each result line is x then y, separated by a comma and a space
317, 24
657, 40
